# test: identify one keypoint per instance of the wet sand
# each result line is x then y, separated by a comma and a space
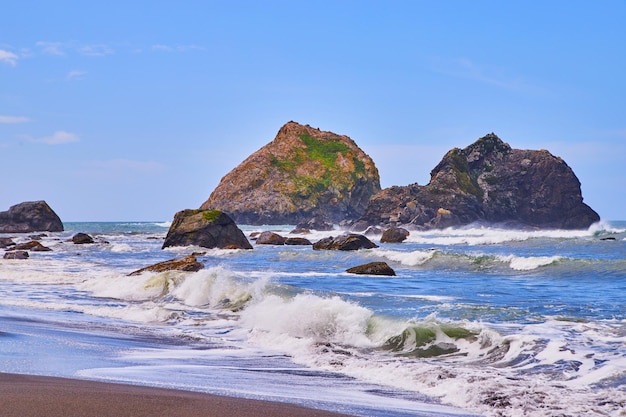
39, 396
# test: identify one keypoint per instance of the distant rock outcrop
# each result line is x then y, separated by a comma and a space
206, 228
491, 182
30, 216
303, 173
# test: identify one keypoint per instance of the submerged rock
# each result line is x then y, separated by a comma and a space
372, 268
270, 238
18, 254
6, 242
33, 245
206, 228
346, 242
304, 173
188, 263
82, 239
297, 241
30, 216
491, 182
315, 224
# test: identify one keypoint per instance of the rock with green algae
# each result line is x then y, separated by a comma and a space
304, 173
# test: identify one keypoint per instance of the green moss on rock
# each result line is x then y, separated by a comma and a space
211, 215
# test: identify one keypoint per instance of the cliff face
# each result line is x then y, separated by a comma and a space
491, 182
303, 173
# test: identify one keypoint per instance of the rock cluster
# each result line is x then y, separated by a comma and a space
304, 173
487, 181
30, 216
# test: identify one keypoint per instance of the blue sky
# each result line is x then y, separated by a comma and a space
135, 110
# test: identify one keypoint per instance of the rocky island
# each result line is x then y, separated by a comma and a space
490, 182
303, 173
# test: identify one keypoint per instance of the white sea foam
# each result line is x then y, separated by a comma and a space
121, 247
492, 235
412, 258
521, 263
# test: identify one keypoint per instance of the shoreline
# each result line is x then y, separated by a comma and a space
35, 395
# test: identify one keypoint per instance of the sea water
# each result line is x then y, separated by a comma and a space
477, 321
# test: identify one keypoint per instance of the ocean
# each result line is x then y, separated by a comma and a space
478, 320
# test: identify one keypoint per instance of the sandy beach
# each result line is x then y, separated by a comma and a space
38, 396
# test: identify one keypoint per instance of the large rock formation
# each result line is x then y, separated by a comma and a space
491, 182
30, 216
303, 173
206, 228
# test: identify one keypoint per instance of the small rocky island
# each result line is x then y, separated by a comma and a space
30, 216
303, 173
489, 182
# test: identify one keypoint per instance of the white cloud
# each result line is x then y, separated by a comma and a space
13, 119
59, 137
95, 50
177, 48
76, 75
52, 48
163, 48
8, 57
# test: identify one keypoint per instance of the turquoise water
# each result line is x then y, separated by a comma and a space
477, 320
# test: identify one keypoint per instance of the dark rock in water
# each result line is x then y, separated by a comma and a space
608, 238
6, 242
206, 228
372, 268
373, 231
394, 235
487, 182
33, 245
30, 216
297, 241
351, 241
270, 238
301, 231
18, 254
189, 264
304, 173
315, 224
82, 239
